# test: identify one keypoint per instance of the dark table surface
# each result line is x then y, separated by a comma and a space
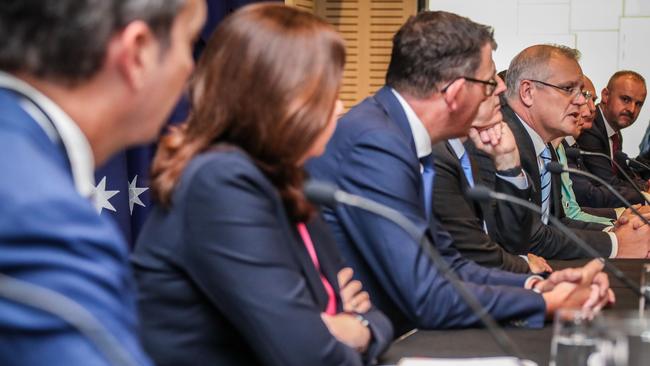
535, 344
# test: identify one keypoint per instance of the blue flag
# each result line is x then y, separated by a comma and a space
122, 184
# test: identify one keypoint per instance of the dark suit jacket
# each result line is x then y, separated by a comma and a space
225, 279
52, 237
595, 139
587, 187
372, 154
463, 218
546, 240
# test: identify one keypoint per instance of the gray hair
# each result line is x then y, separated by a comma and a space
532, 63
66, 40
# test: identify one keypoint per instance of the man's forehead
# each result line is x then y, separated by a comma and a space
629, 85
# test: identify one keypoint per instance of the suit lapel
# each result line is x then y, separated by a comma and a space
556, 186
314, 282
526, 150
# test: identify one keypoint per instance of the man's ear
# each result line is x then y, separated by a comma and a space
134, 51
604, 96
452, 95
526, 93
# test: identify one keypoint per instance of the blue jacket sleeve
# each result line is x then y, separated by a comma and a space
52, 237
379, 166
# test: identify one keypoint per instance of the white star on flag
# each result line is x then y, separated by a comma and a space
101, 197
134, 194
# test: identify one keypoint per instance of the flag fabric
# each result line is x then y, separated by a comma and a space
122, 184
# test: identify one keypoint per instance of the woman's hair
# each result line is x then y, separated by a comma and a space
267, 83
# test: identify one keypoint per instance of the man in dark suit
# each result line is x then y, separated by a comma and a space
594, 198
381, 150
544, 100
485, 235
79, 80
619, 108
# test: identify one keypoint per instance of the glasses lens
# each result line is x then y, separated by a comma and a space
587, 94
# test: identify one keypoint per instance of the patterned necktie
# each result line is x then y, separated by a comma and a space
546, 184
467, 168
616, 146
427, 182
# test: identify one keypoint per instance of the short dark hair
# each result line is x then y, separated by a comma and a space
531, 63
66, 40
435, 47
618, 74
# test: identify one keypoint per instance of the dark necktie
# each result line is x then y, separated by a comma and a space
616, 147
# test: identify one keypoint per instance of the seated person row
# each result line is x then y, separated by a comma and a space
619, 108
472, 225
233, 266
381, 150
544, 98
603, 215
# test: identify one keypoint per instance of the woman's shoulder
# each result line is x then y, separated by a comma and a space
224, 170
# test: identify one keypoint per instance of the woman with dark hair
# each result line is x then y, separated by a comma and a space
234, 266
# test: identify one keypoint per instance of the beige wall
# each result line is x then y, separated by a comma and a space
611, 34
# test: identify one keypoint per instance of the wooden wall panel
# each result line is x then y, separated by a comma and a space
368, 27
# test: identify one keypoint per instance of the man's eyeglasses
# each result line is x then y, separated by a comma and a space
490, 85
572, 91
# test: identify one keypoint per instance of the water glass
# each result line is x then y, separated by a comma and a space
580, 339
644, 306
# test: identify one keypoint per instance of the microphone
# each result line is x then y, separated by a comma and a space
60, 306
619, 155
557, 168
575, 153
329, 195
482, 193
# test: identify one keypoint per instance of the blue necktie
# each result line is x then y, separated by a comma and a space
546, 184
467, 168
427, 182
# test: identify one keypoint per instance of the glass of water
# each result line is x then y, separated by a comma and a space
581, 339
637, 329
644, 306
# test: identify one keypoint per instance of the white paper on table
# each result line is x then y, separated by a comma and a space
479, 361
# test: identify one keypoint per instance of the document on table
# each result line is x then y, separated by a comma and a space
480, 361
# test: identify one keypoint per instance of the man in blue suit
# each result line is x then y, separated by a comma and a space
441, 69
79, 81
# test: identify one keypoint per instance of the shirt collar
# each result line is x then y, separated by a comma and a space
570, 140
610, 131
537, 139
61, 129
420, 135
458, 147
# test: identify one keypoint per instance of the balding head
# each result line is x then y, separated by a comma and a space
623, 98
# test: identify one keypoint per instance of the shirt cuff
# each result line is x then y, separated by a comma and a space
519, 181
614, 252
531, 281
524, 257
619, 211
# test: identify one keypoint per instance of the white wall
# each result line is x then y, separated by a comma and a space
610, 34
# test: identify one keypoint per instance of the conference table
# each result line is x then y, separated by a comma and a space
535, 344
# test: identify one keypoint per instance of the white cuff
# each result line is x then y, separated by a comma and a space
532, 279
614, 245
